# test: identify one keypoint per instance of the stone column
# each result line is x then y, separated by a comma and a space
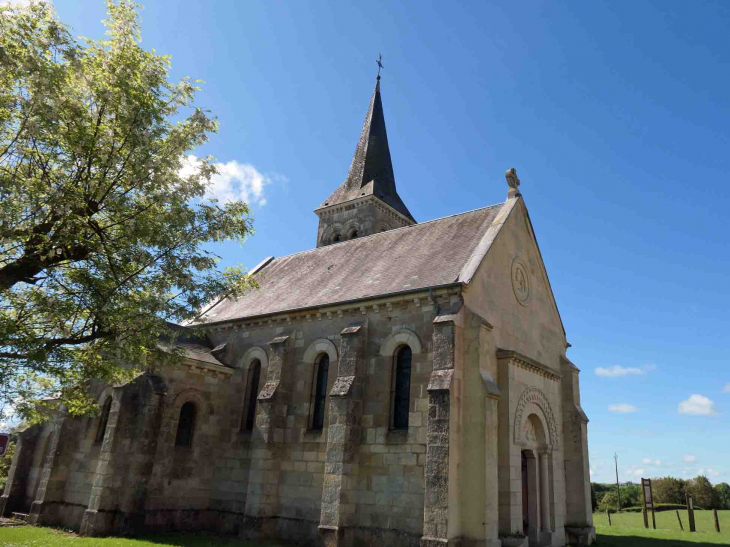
491, 521
488, 373
438, 529
533, 496
343, 438
510, 454
14, 494
267, 439
544, 492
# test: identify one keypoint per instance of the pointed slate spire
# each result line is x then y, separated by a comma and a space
371, 171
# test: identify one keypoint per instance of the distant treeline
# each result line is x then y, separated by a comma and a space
667, 490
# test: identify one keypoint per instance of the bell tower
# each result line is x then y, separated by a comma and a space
367, 202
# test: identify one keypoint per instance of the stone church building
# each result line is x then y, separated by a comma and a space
403, 383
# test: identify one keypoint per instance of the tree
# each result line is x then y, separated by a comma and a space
609, 501
702, 492
630, 495
669, 490
102, 231
6, 461
722, 493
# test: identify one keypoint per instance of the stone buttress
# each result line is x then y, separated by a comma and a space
46, 509
343, 438
13, 497
118, 496
440, 517
262, 507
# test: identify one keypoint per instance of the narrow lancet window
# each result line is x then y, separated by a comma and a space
103, 420
186, 425
320, 392
402, 395
254, 375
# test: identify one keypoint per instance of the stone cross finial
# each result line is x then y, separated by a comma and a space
513, 182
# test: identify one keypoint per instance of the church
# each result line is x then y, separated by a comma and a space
402, 383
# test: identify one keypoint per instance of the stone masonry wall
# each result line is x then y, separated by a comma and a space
368, 216
218, 482
382, 495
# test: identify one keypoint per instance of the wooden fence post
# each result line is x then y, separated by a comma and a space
609, 517
680, 522
690, 512
653, 512
717, 520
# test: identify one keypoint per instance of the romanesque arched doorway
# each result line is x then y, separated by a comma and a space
536, 481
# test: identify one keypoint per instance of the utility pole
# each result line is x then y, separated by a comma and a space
618, 488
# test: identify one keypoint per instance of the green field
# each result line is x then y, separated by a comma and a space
628, 530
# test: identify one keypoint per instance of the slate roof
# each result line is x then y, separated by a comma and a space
196, 352
371, 171
195, 347
424, 255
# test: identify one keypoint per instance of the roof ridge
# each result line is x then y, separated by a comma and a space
412, 226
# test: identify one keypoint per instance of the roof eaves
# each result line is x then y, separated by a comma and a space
261, 265
330, 304
217, 366
482, 248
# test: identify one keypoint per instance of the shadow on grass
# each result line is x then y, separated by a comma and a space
643, 541
202, 539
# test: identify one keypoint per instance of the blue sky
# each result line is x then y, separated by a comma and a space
615, 115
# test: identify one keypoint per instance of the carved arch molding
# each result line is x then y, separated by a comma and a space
537, 397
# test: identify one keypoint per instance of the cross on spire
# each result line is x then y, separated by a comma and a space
380, 64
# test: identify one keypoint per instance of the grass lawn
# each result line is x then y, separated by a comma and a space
628, 530
31, 536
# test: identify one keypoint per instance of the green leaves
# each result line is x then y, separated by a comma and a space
102, 226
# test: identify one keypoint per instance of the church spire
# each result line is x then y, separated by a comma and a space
371, 171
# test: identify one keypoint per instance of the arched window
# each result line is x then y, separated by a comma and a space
402, 388
103, 420
336, 238
353, 234
249, 405
320, 392
186, 425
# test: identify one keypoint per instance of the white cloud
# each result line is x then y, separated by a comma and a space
652, 462
697, 405
634, 471
712, 472
689, 458
234, 181
618, 370
726, 389
623, 408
